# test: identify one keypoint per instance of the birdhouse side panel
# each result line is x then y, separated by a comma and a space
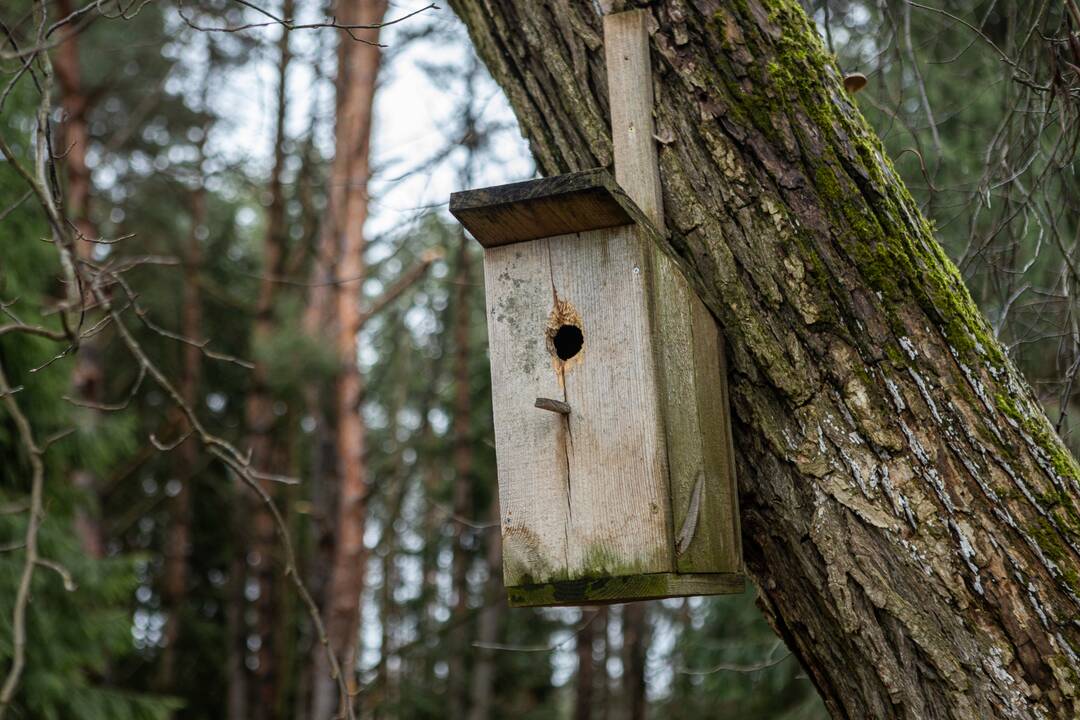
619, 502
529, 443
674, 333
704, 506
720, 507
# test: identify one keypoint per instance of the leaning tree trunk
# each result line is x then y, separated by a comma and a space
909, 514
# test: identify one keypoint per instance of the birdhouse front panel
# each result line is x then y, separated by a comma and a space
583, 494
614, 456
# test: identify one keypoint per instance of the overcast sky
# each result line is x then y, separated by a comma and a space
413, 115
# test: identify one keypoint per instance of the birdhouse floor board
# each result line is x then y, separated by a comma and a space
560, 205
603, 591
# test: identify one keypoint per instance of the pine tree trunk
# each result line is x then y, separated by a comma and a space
261, 420
178, 532
380, 698
634, 644
603, 702
583, 693
907, 510
88, 378
482, 681
236, 698
359, 67
462, 494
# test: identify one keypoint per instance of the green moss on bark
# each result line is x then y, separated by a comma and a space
1048, 539
1036, 426
873, 215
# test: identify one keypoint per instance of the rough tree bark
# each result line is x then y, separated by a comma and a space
357, 69
908, 512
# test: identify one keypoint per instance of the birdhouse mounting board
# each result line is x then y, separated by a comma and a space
612, 435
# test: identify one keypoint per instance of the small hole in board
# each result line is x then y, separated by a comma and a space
567, 340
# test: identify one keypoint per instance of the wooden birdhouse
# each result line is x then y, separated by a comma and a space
612, 435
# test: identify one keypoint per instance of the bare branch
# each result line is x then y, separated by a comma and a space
402, 284
13, 508
65, 575
112, 407
289, 25
166, 447
765, 664
235, 461
593, 614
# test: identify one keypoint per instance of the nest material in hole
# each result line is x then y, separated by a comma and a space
563, 314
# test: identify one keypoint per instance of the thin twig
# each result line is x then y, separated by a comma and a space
765, 664
289, 25
540, 648
22, 592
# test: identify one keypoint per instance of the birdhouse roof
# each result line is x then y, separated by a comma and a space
560, 205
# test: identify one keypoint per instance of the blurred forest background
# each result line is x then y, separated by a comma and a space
228, 277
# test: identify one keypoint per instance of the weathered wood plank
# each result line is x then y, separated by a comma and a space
717, 545
694, 393
720, 508
583, 494
618, 466
528, 442
700, 468
630, 91
674, 341
560, 205
602, 591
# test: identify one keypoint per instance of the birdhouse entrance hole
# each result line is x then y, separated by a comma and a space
568, 340
565, 335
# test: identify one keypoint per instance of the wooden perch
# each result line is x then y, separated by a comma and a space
555, 406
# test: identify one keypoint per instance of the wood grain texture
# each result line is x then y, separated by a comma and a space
686, 338
547, 207
583, 495
696, 421
530, 443
717, 546
630, 92
603, 591
673, 332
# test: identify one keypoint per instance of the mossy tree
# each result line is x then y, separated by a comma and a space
909, 514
